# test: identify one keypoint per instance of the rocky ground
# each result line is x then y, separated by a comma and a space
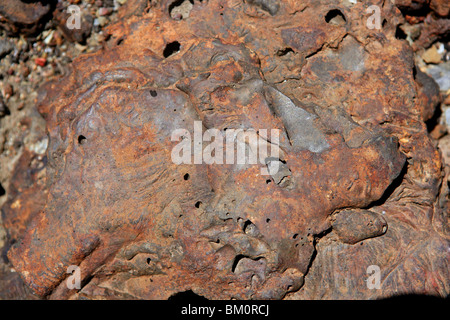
28, 59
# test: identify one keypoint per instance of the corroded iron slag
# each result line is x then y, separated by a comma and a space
360, 184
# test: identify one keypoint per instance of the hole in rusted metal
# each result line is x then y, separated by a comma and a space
285, 51
2, 191
119, 41
171, 48
81, 139
335, 17
399, 33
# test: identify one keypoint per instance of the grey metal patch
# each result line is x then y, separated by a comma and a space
299, 123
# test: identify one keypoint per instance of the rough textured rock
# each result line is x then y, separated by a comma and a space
440, 7
61, 16
23, 16
361, 183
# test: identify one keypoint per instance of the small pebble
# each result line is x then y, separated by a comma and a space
40, 61
25, 71
48, 39
7, 91
57, 38
447, 117
47, 73
432, 56
104, 11
102, 21
5, 47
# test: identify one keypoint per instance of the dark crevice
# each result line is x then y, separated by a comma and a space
4, 250
314, 254
171, 48
188, 295
335, 17
399, 33
314, 52
4, 110
2, 190
246, 224
313, 257
416, 8
239, 257
323, 233
81, 139
119, 41
250, 228
390, 190
285, 51
236, 261
86, 281
434, 120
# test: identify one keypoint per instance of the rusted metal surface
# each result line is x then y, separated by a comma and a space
361, 183
431, 19
25, 17
439, 7
61, 16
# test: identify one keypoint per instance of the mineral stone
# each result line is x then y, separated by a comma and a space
359, 180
